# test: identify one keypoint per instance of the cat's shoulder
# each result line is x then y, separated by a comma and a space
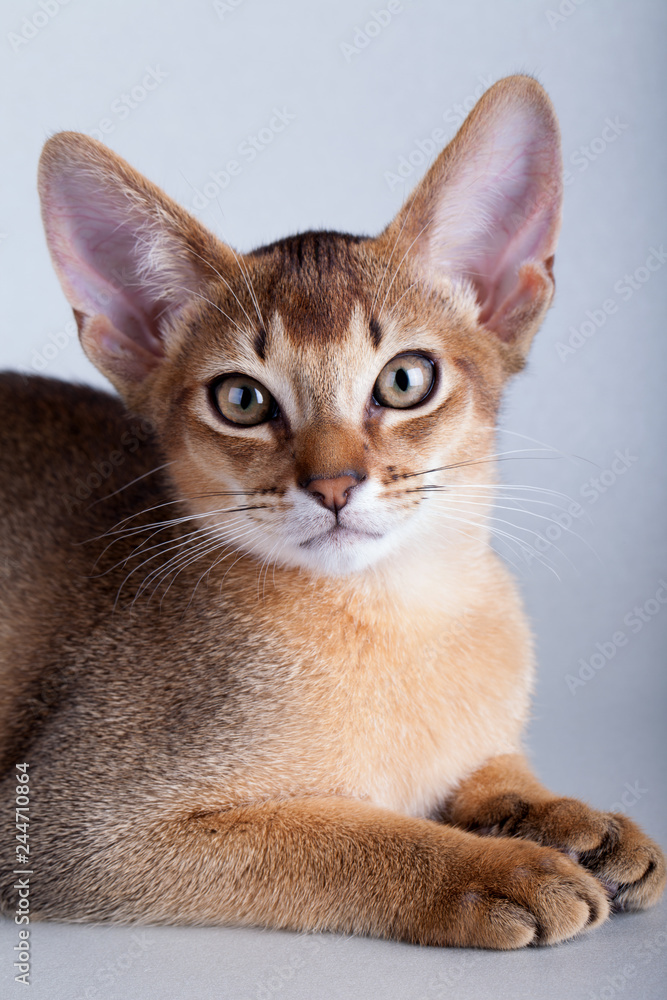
30, 403
61, 419
54, 433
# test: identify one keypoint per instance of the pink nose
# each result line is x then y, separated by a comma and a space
332, 493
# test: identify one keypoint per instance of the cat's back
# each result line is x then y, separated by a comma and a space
64, 449
51, 432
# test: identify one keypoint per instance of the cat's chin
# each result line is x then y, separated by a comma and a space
339, 551
338, 535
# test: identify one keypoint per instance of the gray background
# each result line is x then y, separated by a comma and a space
223, 73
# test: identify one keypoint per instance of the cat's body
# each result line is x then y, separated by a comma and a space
294, 720
396, 699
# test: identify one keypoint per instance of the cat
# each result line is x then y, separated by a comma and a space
260, 663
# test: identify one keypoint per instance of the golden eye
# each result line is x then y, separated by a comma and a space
242, 400
405, 381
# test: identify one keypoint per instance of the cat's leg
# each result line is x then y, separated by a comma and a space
340, 865
504, 798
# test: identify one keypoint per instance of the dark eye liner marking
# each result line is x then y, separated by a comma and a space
376, 331
260, 343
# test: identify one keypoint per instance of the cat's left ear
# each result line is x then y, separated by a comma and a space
128, 257
489, 209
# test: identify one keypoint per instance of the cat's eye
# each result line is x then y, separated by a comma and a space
405, 381
242, 400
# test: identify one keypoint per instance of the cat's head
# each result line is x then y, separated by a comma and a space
311, 394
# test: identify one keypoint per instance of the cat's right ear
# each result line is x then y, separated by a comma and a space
128, 257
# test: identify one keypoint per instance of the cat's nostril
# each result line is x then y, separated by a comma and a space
332, 493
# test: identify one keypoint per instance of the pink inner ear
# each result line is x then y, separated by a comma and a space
499, 205
114, 353
98, 241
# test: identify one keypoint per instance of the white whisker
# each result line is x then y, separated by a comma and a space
402, 296
543, 444
391, 255
176, 546
400, 264
192, 554
226, 283
266, 562
191, 291
521, 542
246, 274
151, 472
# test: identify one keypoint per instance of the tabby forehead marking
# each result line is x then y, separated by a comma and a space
313, 384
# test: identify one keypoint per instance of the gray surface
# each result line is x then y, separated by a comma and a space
118, 963
353, 122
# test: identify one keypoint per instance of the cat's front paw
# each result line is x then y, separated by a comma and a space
609, 845
512, 893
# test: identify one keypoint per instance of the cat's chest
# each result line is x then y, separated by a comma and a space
398, 716
415, 722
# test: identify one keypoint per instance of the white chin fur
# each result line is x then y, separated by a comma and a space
338, 555
304, 538
328, 555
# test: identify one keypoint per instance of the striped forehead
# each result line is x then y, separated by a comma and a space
335, 380
313, 280
330, 325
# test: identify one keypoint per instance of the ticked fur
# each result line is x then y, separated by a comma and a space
283, 712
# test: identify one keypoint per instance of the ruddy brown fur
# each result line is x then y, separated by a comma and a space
240, 704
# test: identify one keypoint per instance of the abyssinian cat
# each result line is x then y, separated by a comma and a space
260, 664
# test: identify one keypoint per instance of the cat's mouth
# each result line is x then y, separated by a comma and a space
340, 532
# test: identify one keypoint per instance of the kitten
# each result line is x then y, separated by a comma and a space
259, 659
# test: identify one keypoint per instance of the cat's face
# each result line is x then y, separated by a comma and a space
325, 372
313, 394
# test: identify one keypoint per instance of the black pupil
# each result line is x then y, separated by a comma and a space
247, 397
402, 380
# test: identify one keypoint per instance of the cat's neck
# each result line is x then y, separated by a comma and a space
426, 577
